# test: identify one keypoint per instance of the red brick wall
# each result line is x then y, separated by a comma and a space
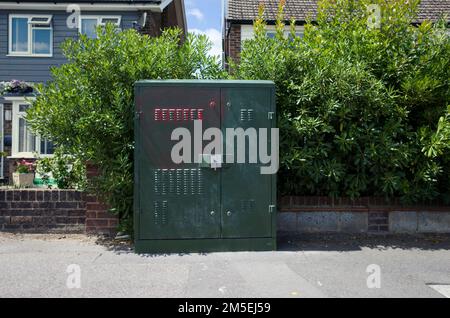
233, 43
42, 210
98, 219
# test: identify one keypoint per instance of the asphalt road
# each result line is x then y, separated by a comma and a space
320, 266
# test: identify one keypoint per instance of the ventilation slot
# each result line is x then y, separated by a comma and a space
178, 182
160, 212
247, 115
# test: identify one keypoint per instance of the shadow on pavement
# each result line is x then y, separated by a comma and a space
355, 242
323, 242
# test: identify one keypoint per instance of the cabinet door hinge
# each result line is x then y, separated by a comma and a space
272, 208
270, 115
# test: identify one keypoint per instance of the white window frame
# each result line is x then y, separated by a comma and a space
29, 52
99, 19
16, 115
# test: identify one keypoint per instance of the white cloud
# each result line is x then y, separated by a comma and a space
215, 36
196, 13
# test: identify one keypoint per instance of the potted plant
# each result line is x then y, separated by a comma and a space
24, 174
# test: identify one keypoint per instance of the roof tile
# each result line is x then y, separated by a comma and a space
300, 10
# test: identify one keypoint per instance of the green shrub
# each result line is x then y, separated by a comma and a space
358, 107
68, 172
87, 109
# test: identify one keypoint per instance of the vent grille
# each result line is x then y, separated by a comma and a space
178, 182
247, 115
160, 212
178, 114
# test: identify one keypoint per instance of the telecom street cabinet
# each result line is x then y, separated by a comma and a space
208, 204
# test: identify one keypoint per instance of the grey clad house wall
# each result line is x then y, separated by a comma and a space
37, 69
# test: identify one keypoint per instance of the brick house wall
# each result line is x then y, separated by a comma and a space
232, 43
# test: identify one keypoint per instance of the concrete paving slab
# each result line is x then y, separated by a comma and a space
321, 266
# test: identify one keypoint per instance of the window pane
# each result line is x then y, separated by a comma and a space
27, 141
21, 135
19, 32
23, 107
88, 27
47, 147
41, 41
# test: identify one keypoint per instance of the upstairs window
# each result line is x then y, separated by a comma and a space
30, 35
89, 24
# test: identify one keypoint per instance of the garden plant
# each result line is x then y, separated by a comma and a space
363, 104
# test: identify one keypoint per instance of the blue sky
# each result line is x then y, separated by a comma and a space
205, 17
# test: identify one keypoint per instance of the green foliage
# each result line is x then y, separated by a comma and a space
87, 110
359, 107
69, 173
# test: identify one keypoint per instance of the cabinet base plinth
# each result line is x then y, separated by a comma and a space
204, 245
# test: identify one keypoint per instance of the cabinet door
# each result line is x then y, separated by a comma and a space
176, 201
246, 193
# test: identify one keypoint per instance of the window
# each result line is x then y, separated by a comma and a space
88, 24
24, 143
30, 35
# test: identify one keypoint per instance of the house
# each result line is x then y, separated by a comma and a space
239, 17
30, 36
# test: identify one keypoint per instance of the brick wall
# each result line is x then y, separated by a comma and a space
98, 219
42, 211
233, 43
59, 211
302, 214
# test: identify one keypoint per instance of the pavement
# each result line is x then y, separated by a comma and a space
303, 267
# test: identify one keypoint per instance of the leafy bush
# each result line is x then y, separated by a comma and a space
359, 107
87, 109
69, 173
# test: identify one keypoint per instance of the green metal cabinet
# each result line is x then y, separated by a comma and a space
197, 206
